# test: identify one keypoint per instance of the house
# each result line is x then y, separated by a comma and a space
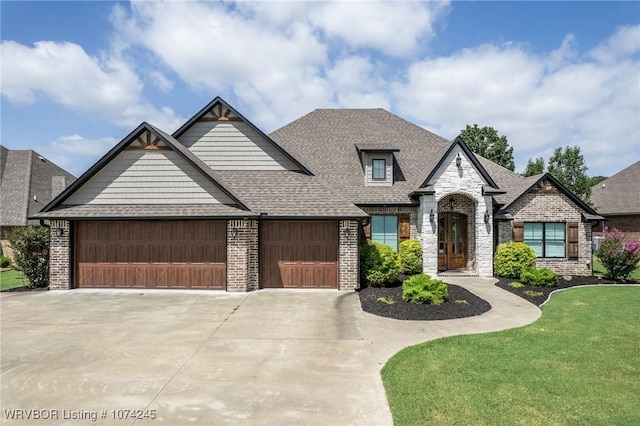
28, 182
219, 204
618, 199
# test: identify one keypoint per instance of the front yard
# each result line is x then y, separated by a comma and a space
577, 364
12, 279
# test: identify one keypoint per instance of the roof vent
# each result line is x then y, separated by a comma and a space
42, 158
603, 185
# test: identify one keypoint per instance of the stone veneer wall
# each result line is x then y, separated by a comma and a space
59, 255
349, 262
242, 255
552, 208
411, 210
465, 205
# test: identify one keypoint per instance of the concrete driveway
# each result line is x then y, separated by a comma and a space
175, 357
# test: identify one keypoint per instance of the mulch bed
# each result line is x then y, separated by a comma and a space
562, 283
418, 312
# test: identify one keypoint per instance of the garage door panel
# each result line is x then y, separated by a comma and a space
299, 254
151, 254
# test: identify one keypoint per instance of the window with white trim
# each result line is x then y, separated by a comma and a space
547, 239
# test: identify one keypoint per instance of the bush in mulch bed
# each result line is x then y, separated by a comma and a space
387, 302
538, 295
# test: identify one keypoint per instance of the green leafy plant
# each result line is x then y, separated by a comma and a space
31, 250
542, 277
516, 284
386, 300
5, 261
461, 302
532, 293
422, 288
379, 264
618, 258
511, 258
410, 257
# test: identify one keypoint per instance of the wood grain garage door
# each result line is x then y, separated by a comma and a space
151, 254
299, 254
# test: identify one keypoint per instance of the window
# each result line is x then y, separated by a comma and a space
379, 167
384, 229
546, 239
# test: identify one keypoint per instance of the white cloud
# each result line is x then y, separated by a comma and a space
65, 73
623, 43
76, 153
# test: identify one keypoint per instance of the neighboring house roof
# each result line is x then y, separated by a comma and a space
28, 181
618, 194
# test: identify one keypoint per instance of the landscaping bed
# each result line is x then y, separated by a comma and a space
538, 295
459, 304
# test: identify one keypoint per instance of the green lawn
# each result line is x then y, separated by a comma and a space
598, 269
578, 364
12, 278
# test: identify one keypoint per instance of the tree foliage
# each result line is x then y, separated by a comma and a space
486, 142
568, 166
534, 167
31, 249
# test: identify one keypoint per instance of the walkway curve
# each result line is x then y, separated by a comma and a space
389, 336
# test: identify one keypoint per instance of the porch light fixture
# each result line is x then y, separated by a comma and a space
486, 216
347, 232
458, 160
59, 232
432, 216
234, 233
451, 203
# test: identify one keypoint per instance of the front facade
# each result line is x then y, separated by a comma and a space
221, 205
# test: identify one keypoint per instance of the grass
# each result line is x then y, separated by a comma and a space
598, 269
578, 364
11, 279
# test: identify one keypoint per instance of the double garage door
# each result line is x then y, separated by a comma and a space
193, 254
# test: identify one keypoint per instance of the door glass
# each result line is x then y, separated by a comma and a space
456, 234
441, 229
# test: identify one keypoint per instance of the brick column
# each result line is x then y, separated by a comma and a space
59, 255
242, 255
349, 262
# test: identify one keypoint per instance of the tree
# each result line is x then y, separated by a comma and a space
534, 167
31, 247
486, 142
594, 180
569, 168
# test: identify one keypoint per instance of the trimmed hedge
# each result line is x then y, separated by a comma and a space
542, 277
422, 288
410, 257
511, 258
379, 264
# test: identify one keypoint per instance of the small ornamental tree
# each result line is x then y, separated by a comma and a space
618, 257
31, 252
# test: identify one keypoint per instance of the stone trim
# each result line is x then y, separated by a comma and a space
60, 255
242, 255
349, 262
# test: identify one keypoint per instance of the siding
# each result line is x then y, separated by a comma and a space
148, 177
368, 158
232, 145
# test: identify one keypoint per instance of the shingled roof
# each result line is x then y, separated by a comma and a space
619, 194
28, 181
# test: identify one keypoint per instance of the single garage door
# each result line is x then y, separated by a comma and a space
151, 254
299, 254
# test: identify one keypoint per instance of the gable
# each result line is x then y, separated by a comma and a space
448, 177
148, 176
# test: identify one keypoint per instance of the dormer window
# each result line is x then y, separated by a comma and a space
377, 164
379, 169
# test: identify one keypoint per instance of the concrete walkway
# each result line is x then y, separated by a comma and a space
267, 357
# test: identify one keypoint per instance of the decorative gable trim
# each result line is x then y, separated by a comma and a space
219, 110
470, 155
157, 138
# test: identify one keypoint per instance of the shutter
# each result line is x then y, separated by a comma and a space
367, 230
518, 232
404, 227
572, 240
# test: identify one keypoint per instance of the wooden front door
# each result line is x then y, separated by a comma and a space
452, 241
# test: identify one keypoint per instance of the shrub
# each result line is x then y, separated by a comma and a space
511, 258
516, 284
542, 277
618, 258
410, 257
532, 293
5, 261
386, 300
31, 248
379, 264
422, 288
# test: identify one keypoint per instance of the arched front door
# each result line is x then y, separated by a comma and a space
452, 241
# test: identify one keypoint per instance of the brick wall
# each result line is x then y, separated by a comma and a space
629, 225
59, 256
549, 207
349, 263
242, 255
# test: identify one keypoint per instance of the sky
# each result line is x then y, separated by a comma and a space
77, 77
